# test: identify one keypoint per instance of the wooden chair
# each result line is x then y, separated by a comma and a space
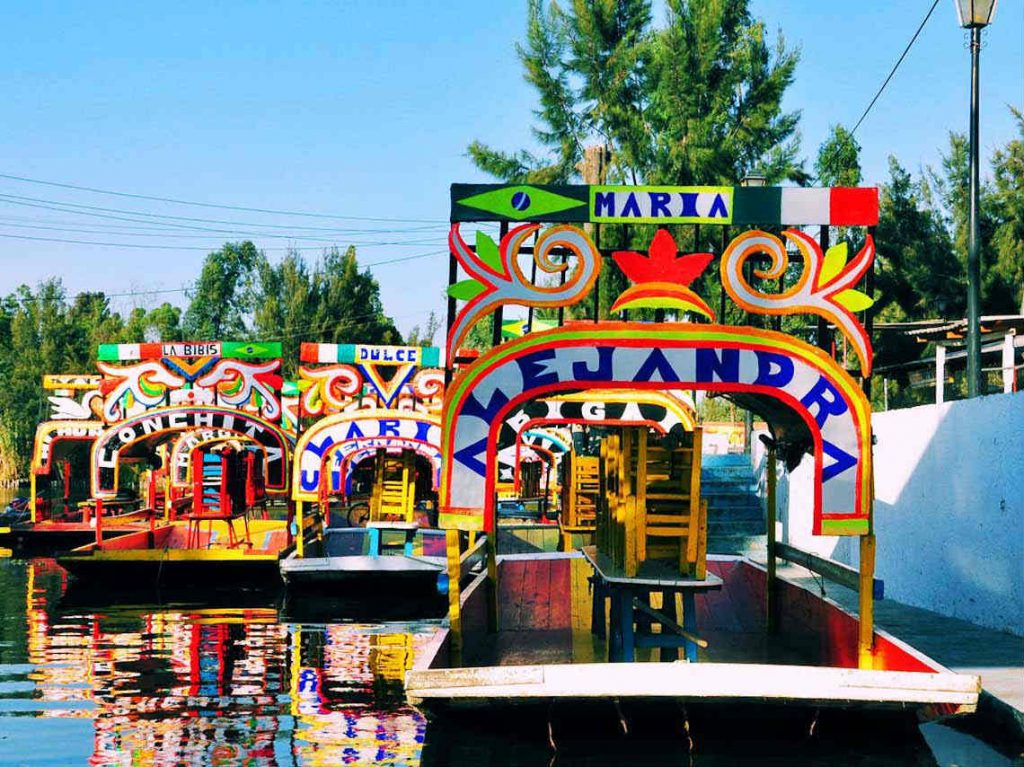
650, 503
394, 488
582, 490
212, 498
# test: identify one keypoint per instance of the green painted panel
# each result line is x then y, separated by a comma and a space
757, 205
108, 353
253, 350
520, 202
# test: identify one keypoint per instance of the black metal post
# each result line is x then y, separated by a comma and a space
822, 334
869, 313
498, 314
453, 276
974, 383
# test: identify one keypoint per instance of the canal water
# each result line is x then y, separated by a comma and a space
238, 680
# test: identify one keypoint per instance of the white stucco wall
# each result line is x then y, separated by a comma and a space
949, 509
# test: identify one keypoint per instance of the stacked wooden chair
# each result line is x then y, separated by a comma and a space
394, 487
651, 507
581, 491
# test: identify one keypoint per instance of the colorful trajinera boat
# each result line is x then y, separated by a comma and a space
201, 425
58, 514
366, 472
543, 629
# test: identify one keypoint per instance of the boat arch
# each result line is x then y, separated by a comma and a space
664, 411
181, 451
158, 425
827, 403
340, 475
345, 434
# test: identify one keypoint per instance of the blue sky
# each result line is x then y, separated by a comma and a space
364, 110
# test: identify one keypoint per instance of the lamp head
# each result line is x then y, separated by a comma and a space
975, 13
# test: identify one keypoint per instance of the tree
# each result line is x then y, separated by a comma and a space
286, 306
838, 162
222, 297
698, 101
717, 107
350, 309
332, 302
424, 336
1006, 284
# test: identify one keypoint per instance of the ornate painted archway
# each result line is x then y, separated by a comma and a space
666, 411
619, 355
349, 432
182, 449
51, 433
159, 424
341, 472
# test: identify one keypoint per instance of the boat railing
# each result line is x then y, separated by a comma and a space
829, 569
478, 562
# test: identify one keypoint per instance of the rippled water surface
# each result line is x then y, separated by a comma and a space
165, 685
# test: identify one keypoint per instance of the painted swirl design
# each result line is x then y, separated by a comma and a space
497, 278
826, 286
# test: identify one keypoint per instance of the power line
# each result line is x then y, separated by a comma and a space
256, 235
176, 201
896, 66
185, 289
79, 208
151, 246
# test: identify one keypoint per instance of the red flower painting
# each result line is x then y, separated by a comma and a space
661, 277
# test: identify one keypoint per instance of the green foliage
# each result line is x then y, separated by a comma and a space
223, 295
41, 332
239, 295
1006, 284
695, 101
424, 336
330, 302
838, 162
718, 89
922, 249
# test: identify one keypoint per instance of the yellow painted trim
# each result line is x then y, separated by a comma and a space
32, 496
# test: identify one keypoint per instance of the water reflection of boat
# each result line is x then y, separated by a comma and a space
194, 684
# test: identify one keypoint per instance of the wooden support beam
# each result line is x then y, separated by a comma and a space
473, 550
32, 496
866, 638
492, 580
837, 572
769, 592
452, 550
668, 623
99, 522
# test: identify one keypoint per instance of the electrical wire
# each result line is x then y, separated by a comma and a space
256, 235
185, 289
151, 246
80, 210
177, 201
896, 66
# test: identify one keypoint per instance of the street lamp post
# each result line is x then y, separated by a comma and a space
974, 15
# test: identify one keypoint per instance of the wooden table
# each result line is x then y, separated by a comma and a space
630, 602
376, 531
